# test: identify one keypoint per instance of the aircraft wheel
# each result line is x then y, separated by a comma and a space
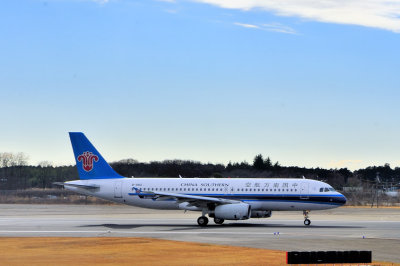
202, 221
218, 220
307, 222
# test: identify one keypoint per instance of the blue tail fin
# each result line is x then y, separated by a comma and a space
90, 163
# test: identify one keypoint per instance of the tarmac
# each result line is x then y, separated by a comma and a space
375, 229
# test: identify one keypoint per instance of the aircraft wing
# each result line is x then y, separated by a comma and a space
193, 200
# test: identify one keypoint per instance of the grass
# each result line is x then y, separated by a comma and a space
130, 251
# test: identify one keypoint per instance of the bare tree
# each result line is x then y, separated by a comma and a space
21, 159
6, 159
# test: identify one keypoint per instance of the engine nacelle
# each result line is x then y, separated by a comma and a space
261, 214
238, 211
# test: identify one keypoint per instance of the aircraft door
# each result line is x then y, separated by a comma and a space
231, 190
118, 189
304, 190
226, 190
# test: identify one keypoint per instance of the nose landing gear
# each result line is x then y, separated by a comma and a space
307, 221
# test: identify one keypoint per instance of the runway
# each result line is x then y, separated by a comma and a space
338, 229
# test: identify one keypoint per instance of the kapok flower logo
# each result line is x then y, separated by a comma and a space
87, 158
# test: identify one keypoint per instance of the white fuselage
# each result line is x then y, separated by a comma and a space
262, 194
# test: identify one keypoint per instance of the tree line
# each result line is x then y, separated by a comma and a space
15, 173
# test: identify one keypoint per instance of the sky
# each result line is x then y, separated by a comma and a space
307, 83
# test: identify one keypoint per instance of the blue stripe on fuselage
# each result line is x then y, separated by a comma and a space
313, 198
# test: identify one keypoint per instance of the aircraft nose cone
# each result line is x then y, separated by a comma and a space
343, 200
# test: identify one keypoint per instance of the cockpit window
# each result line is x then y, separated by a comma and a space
326, 189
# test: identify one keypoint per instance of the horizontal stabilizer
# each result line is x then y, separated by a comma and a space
88, 187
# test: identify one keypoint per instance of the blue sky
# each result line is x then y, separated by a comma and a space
308, 85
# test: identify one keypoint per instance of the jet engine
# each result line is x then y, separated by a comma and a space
261, 214
237, 211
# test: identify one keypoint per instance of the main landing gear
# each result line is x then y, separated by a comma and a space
219, 220
307, 221
202, 221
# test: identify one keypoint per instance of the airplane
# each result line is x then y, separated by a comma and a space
219, 198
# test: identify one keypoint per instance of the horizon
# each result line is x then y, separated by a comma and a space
48, 163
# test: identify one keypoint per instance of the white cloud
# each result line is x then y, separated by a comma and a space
101, 1
246, 25
382, 14
276, 27
168, 1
